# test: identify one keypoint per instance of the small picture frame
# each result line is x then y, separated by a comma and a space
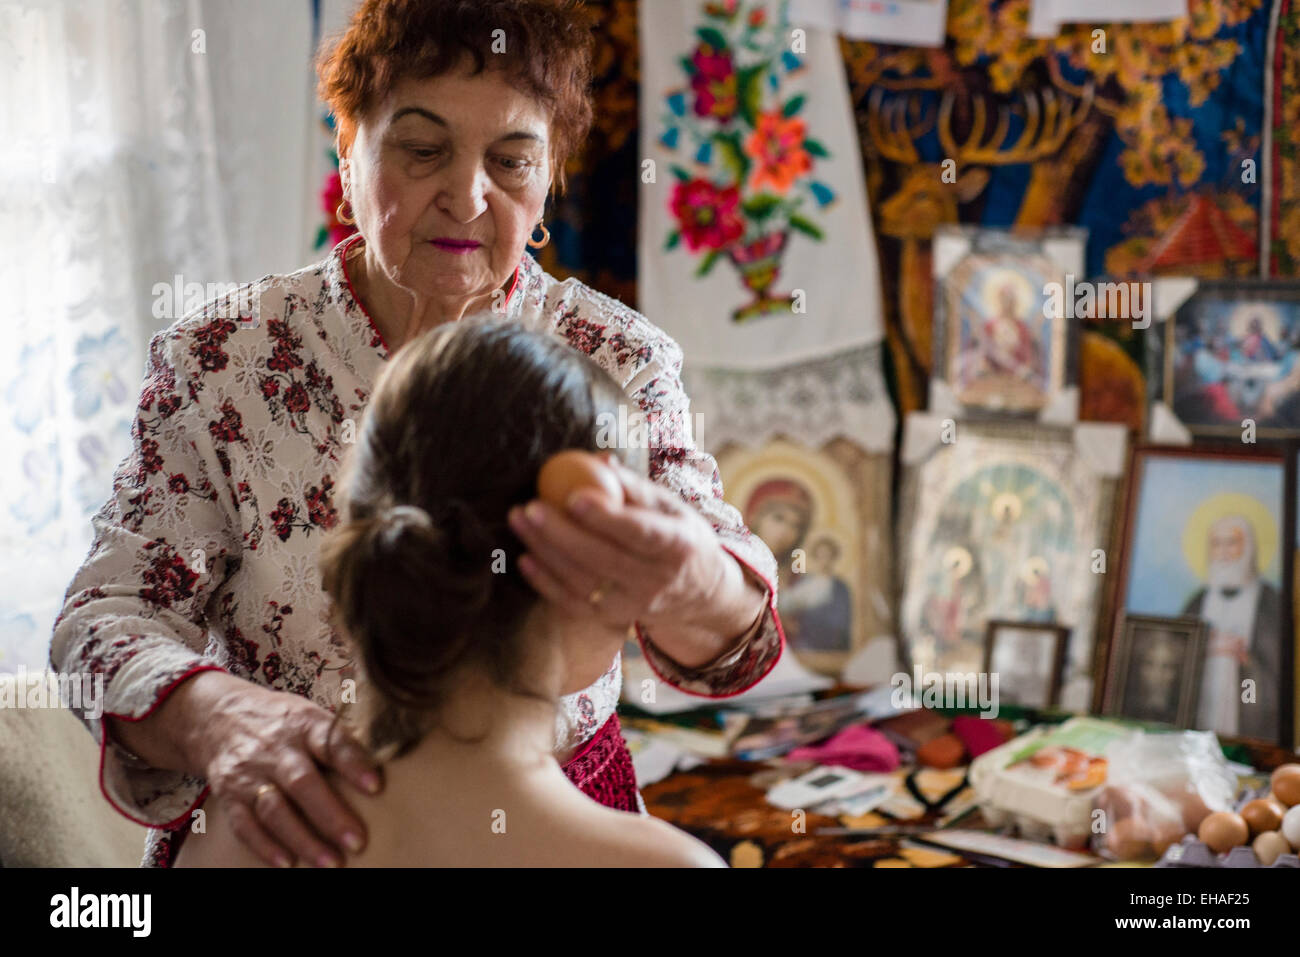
1029, 659
1159, 662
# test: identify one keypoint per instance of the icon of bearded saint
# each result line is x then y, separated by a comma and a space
1244, 615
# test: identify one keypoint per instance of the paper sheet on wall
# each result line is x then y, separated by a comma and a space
755, 246
908, 22
1047, 16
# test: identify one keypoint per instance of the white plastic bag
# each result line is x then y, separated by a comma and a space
1158, 788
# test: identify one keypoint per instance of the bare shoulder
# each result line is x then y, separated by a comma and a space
634, 840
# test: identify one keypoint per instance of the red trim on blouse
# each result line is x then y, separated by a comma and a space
343, 261
514, 284
780, 631
103, 749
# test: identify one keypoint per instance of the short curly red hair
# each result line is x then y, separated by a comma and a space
548, 46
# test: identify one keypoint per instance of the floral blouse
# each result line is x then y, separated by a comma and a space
204, 556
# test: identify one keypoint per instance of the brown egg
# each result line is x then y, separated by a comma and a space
1262, 814
1269, 846
566, 472
1223, 830
1286, 784
1130, 839
1194, 810
1116, 801
1168, 830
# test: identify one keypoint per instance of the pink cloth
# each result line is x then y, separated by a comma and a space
858, 748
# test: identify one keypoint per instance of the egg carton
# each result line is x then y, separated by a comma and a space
1190, 852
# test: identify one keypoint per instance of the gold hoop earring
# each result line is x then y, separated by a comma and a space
546, 237
345, 220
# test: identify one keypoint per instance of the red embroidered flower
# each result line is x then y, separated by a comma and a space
178, 484
150, 460
584, 336
209, 339
714, 83
708, 216
168, 577
282, 518
271, 667
295, 399
282, 360
625, 352
284, 354
230, 427
320, 509
168, 404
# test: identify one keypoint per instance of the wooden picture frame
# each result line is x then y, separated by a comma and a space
1192, 658
1060, 636
1215, 500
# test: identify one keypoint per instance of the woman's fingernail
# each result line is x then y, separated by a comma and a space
352, 842
534, 513
282, 861
327, 860
579, 504
370, 781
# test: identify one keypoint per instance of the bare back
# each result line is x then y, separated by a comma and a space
478, 816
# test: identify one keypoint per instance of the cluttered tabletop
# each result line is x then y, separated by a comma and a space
846, 777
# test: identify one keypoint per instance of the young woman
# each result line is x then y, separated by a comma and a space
462, 664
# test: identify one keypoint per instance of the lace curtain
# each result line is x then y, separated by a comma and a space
150, 148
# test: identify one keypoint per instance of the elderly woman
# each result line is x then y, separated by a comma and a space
201, 601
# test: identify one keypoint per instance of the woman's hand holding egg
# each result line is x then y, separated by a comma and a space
606, 542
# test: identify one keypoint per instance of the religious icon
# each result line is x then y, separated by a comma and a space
805, 506
1230, 355
1159, 662
1001, 344
1205, 540
1002, 524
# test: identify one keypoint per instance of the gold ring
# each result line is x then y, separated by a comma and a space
262, 790
597, 594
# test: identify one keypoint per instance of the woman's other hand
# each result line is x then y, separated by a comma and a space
262, 752
653, 560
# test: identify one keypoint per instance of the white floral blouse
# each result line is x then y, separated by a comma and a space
204, 556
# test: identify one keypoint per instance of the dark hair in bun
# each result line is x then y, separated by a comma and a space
422, 566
